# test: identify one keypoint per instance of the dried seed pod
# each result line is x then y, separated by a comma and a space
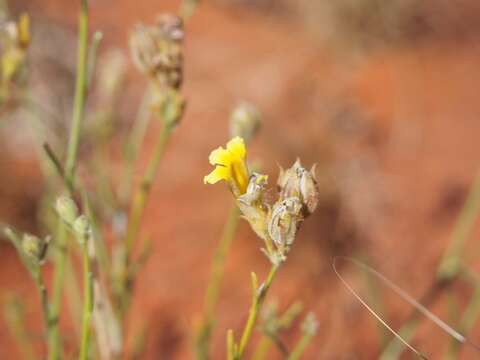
299, 182
156, 50
252, 206
284, 220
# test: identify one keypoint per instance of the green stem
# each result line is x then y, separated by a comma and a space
134, 142
136, 214
448, 269
299, 349
42, 289
262, 348
87, 302
78, 111
450, 264
141, 196
213, 289
80, 94
259, 295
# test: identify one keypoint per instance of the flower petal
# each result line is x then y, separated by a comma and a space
236, 147
219, 156
219, 173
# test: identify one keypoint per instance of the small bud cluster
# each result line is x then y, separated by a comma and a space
67, 210
277, 224
32, 248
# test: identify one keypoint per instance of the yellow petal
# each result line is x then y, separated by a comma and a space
220, 156
236, 146
219, 173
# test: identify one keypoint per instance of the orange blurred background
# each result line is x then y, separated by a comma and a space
381, 97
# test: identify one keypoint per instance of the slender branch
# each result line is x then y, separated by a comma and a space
87, 301
216, 275
259, 294
78, 111
80, 94
136, 214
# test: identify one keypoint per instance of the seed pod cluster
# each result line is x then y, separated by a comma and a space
156, 50
278, 224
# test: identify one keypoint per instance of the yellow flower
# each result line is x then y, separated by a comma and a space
230, 166
23, 28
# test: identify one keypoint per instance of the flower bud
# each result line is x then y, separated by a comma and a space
34, 247
284, 221
82, 226
299, 182
244, 121
66, 209
310, 324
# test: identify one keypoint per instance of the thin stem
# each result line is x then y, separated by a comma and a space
78, 110
136, 214
262, 348
134, 142
213, 289
42, 289
87, 302
299, 349
259, 295
80, 94
141, 196
448, 270
450, 264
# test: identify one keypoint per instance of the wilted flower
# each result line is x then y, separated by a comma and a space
156, 50
299, 182
230, 165
244, 121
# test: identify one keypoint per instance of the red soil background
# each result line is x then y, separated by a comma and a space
393, 126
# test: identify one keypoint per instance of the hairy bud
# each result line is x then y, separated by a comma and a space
34, 247
66, 209
244, 121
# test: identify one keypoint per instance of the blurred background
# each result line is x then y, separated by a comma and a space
381, 95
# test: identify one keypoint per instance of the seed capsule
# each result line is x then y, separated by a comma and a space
299, 182
252, 206
284, 221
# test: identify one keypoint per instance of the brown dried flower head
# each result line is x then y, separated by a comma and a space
156, 50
